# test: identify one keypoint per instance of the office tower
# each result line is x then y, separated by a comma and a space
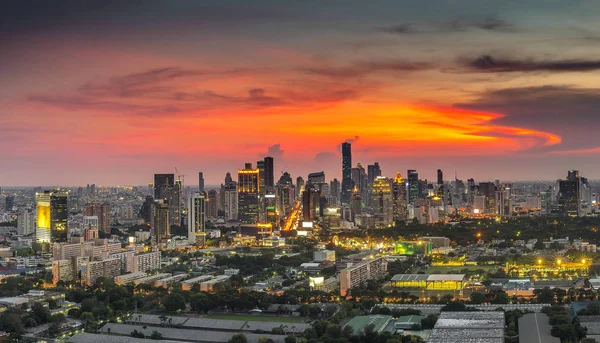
359, 180
373, 171
440, 177
91, 222
569, 195
412, 186
471, 191
347, 185
286, 193
315, 180
488, 190
269, 172
248, 194
230, 198
179, 199
585, 197
356, 204
102, 211
26, 222
197, 219
399, 199
270, 206
201, 182
381, 202
299, 185
9, 202
59, 216
212, 203
146, 209
334, 192
43, 226
161, 224
260, 165
166, 190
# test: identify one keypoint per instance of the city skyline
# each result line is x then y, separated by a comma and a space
112, 93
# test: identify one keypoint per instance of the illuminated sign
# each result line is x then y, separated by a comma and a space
302, 233
307, 225
270, 196
317, 281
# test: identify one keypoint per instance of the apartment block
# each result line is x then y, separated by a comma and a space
359, 274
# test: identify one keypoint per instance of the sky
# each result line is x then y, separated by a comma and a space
111, 92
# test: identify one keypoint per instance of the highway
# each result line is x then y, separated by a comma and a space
291, 223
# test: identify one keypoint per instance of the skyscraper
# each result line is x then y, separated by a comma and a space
347, 185
440, 177
359, 180
488, 189
381, 196
569, 203
260, 165
230, 198
161, 224
201, 182
43, 226
412, 186
334, 192
165, 190
399, 198
373, 171
299, 185
100, 210
248, 194
212, 203
315, 180
197, 219
269, 172
59, 216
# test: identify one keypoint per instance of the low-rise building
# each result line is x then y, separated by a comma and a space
359, 274
151, 279
188, 284
207, 286
127, 278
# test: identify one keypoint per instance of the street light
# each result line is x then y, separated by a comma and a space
539, 261
558, 261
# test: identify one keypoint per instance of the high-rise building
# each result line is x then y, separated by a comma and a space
161, 224
373, 171
412, 183
59, 216
286, 193
315, 180
9, 203
26, 222
488, 190
197, 219
334, 192
201, 182
269, 172
440, 177
399, 198
166, 190
248, 195
347, 184
212, 203
299, 185
359, 180
360, 273
43, 226
229, 196
146, 209
381, 202
568, 196
260, 165
100, 210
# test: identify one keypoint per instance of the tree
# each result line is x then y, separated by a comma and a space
238, 338
539, 245
137, 334
477, 298
544, 295
174, 302
454, 306
428, 322
499, 297
290, 339
156, 335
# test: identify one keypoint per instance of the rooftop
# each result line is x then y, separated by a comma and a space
359, 323
534, 327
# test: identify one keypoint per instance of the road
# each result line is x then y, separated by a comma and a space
291, 223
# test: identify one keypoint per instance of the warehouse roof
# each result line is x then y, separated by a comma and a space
359, 323
430, 277
535, 327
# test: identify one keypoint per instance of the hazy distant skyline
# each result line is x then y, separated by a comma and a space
112, 93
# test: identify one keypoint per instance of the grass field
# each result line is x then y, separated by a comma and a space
256, 318
457, 270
